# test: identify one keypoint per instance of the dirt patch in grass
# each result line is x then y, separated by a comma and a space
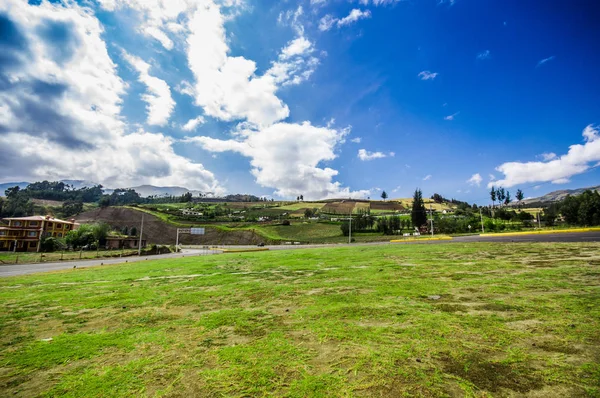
492, 376
556, 346
499, 307
451, 307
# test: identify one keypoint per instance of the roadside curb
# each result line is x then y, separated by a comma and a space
420, 240
549, 232
240, 250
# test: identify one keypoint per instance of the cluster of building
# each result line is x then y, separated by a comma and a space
25, 234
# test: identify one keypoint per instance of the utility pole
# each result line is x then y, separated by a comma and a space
350, 231
539, 220
481, 215
141, 233
177, 242
431, 215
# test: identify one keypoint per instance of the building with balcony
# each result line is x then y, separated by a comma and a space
25, 234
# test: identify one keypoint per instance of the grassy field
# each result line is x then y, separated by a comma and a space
12, 258
420, 320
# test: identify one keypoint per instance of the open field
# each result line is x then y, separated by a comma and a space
12, 258
446, 320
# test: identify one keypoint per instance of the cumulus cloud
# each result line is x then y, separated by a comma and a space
62, 102
288, 156
193, 123
558, 170
159, 100
328, 22
227, 87
484, 55
475, 179
427, 75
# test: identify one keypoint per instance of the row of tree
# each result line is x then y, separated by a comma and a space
503, 196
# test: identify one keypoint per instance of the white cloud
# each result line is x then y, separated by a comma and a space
288, 157
356, 140
397, 189
427, 177
227, 87
579, 159
159, 35
492, 177
63, 110
327, 22
427, 75
475, 179
354, 16
298, 46
543, 61
451, 117
484, 55
365, 155
548, 156
292, 18
378, 2
159, 100
193, 123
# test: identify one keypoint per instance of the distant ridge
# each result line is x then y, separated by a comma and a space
5, 186
557, 196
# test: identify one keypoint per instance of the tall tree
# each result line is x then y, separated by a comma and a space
384, 195
493, 196
507, 198
418, 214
520, 196
501, 195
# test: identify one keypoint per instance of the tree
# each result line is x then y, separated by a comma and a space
12, 193
308, 213
418, 214
104, 201
501, 194
520, 196
133, 231
384, 195
507, 198
302, 198
71, 208
493, 194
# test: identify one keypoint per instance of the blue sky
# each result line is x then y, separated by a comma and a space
325, 98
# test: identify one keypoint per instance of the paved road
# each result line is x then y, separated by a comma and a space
563, 237
24, 269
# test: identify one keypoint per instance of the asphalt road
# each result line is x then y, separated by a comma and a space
24, 269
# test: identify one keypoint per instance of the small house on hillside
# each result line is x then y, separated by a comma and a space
115, 242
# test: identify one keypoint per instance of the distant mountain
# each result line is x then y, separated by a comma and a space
5, 186
78, 184
557, 196
151, 190
143, 190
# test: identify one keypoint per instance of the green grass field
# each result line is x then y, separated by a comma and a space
454, 320
22, 258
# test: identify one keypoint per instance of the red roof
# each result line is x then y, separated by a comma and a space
38, 218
